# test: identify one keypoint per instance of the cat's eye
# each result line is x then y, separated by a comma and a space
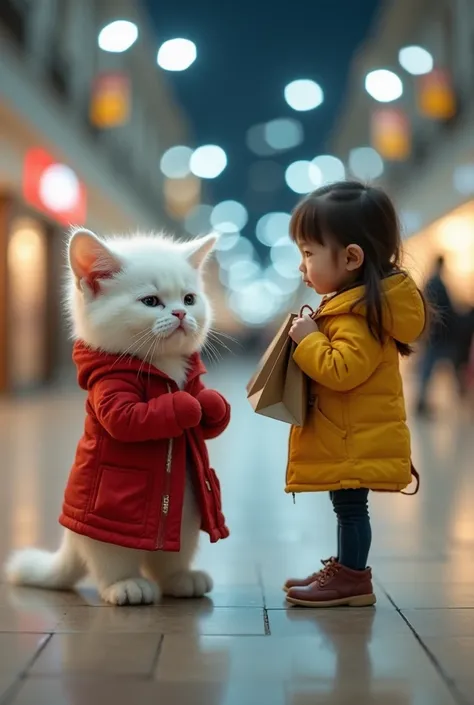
151, 301
189, 299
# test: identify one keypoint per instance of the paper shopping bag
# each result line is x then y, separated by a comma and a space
279, 389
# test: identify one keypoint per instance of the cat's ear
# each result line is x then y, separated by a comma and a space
199, 250
90, 259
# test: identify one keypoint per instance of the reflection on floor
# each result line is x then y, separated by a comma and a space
243, 645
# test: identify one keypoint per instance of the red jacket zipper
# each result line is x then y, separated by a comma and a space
165, 497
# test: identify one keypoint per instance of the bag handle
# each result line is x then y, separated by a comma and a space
302, 310
416, 475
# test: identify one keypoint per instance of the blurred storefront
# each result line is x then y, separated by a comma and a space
29, 301
74, 150
452, 237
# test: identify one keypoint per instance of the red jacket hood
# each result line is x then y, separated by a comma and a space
94, 364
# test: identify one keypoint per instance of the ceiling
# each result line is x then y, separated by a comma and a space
247, 53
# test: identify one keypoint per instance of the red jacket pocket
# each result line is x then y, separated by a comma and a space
122, 494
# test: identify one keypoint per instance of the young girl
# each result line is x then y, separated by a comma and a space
355, 438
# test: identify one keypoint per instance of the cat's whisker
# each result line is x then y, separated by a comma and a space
144, 330
206, 350
212, 351
217, 341
132, 349
223, 345
221, 334
143, 334
217, 356
145, 357
144, 342
152, 358
160, 341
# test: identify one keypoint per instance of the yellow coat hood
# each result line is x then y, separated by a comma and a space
403, 307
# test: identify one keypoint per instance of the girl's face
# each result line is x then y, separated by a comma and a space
324, 269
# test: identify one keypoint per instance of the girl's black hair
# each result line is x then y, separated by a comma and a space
348, 212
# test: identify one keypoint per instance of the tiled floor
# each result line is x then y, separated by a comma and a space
243, 645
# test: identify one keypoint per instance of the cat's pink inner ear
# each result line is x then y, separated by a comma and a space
199, 250
91, 260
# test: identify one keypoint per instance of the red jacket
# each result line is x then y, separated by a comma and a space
126, 486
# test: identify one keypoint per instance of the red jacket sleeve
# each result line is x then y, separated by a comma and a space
122, 413
215, 412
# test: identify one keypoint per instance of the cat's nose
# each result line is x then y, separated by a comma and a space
181, 315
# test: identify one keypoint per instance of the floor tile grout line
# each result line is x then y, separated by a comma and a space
13, 690
156, 657
266, 622
266, 617
449, 681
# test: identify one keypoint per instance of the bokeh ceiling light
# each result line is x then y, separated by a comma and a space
59, 188
243, 249
118, 36
208, 161
415, 60
240, 274
285, 285
286, 260
175, 162
283, 133
331, 168
176, 54
303, 176
198, 221
383, 85
229, 216
304, 94
257, 303
273, 227
257, 143
227, 240
366, 163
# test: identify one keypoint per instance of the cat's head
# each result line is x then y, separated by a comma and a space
141, 294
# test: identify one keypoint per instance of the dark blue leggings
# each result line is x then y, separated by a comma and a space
354, 534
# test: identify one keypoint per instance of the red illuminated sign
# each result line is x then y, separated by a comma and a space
54, 188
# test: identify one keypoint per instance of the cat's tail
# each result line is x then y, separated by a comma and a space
54, 571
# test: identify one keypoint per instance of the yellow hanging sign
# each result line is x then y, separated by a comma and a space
391, 134
436, 98
110, 100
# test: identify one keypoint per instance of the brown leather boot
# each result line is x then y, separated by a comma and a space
336, 586
304, 582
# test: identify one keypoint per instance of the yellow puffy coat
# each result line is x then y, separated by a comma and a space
356, 433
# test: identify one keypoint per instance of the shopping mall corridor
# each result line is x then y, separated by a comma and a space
243, 645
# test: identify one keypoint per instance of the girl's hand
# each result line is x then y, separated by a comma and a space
301, 328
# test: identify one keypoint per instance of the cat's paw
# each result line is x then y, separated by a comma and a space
188, 583
136, 591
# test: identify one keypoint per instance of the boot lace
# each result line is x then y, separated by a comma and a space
325, 562
327, 573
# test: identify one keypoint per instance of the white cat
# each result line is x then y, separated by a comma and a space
141, 300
